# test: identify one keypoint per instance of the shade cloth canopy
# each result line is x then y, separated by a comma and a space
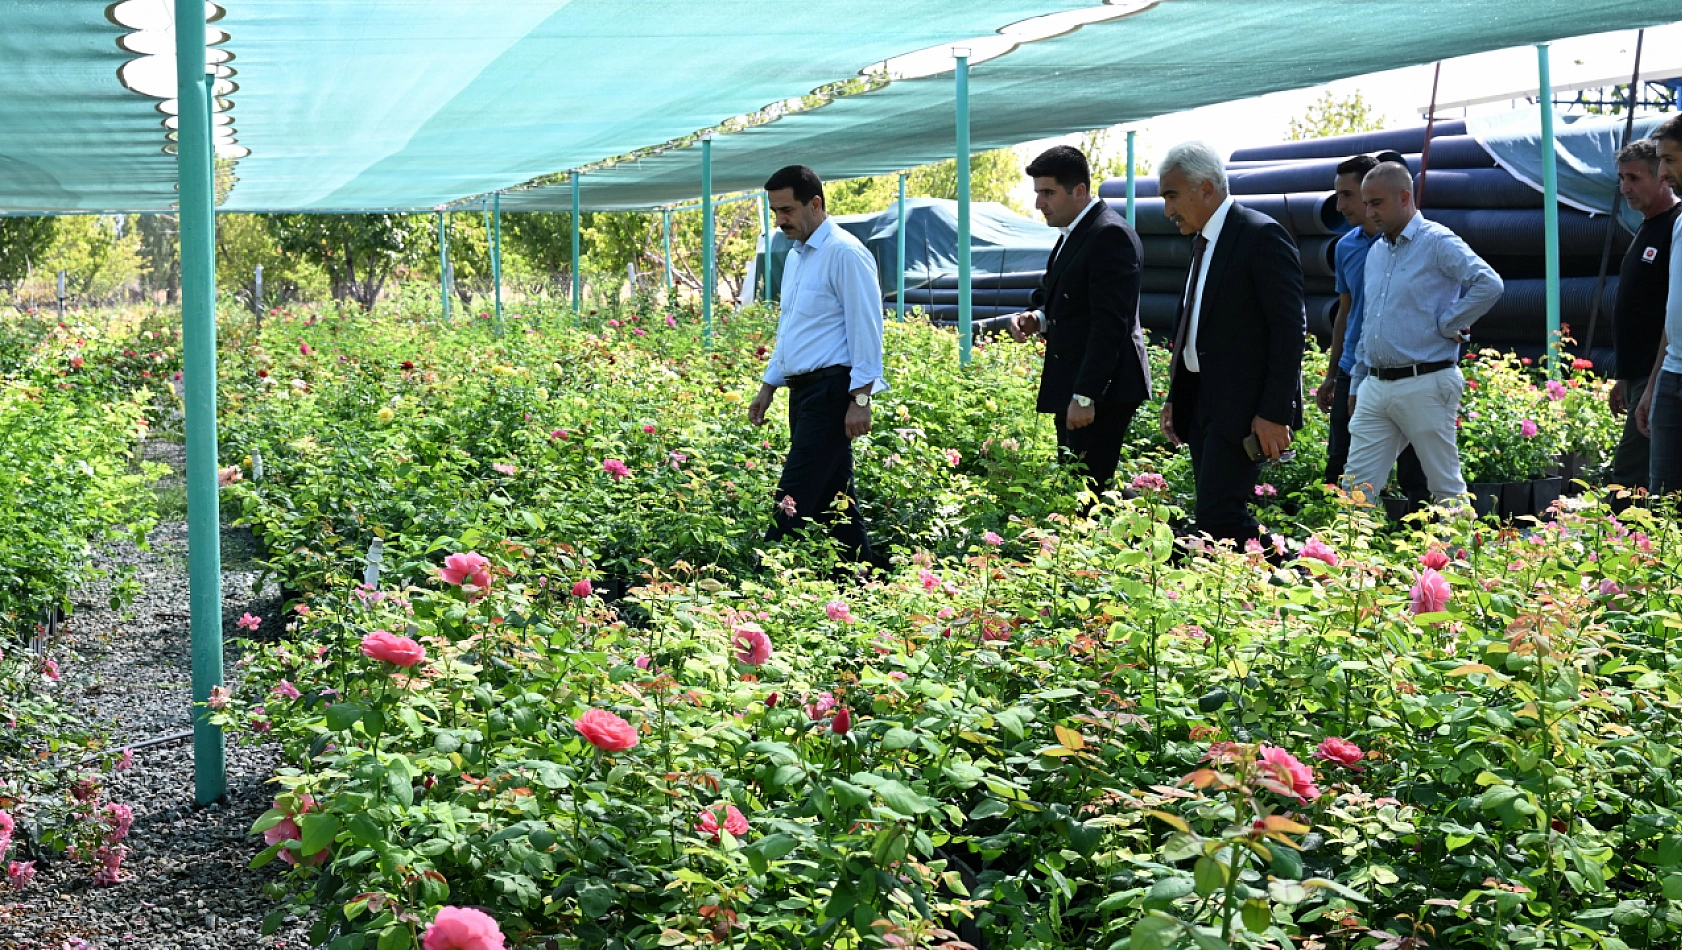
372, 104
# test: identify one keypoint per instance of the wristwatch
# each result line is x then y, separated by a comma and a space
1085, 402
862, 399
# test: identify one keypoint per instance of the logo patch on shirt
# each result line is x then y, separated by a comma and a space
1650, 254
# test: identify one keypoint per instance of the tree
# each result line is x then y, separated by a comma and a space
1328, 116
98, 254
1108, 159
993, 176
22, 243
358, 251
160, 254
243, 242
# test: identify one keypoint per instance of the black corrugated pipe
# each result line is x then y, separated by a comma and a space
1343, 146
1521, 313
1516, 232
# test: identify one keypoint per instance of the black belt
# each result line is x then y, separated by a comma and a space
1408, 372
806, 379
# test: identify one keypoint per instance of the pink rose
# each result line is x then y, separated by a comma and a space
248, 622
1435, 560
1527, 429
1149, 482
502, 467
304, 348
288, 830
1317, 550
753, 647
1556, 390
1341, 751
606, 731
126, 762
120, 818
285, 690
619, 470
1265, 490
786, 506
647, 430
953, 457
643, 661
462, 928
1253, 546
734, 822
838, 610
218, 699
582, 589
993, 539
20, 873
559, 434
467, 569
1430, 594
928, 578
50, 668
1283, 769
820, 706
390, 648
1609, 587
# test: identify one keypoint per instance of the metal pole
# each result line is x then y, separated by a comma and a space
257, 297
1550, 204
61, 292
666, 236
900, 293
1131, 176
577, 284
765, 236
196, 169
496, 252
443, 265
708, 259
965, 293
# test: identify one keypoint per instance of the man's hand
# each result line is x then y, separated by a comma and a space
1022, 324
1644, 410
761, 404
1323, 396
858, 419
1274, 438
1618, 398
1079, 417
1168, 424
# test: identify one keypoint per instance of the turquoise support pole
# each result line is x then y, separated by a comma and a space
666, 235
444, 265
708, 253
965, 293
577, 281
196, 169
496, 252
899, 297
1550, 204
765, 235
1131, 175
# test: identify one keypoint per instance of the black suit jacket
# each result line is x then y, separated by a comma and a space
1090, 297
1250, 333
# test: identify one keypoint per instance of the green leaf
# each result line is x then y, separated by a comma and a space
1170, 889
897, 738
266, 855
1155, 932
318, 830
988, 808
1257, 916
901, 798
272, 922
341, 716
848, 795
595, 899
395, 938
1208, 876
365, 829
1672, 887
1286, 863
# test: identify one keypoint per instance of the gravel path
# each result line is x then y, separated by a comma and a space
188, 886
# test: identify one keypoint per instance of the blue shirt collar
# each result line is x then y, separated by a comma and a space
821, 235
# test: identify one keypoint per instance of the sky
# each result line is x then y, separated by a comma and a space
1401, 95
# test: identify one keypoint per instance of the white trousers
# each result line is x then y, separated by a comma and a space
1389, 414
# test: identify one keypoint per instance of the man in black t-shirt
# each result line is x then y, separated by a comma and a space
1643, 285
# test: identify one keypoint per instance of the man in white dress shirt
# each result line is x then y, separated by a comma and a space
829, 355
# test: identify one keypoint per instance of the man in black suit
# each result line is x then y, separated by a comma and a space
1096, 373
1238, 343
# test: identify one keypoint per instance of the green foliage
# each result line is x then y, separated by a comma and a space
160, 253
993, 177
99, 254
23, 241
1329, 116
243, 243
358, 251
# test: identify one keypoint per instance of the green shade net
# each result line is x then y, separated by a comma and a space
401, 105
71, 137
1176, 55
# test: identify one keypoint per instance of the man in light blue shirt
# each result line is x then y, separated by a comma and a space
1661, 404
1424, 290
829, 355
1351, 265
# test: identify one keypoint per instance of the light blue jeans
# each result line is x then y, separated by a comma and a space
1389, 414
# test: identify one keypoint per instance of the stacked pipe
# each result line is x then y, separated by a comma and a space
1498, 216
991, 295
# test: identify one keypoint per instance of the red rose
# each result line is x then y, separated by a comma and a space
606, 731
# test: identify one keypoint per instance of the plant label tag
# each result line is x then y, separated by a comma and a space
1650, 254
371, 568
256, 465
